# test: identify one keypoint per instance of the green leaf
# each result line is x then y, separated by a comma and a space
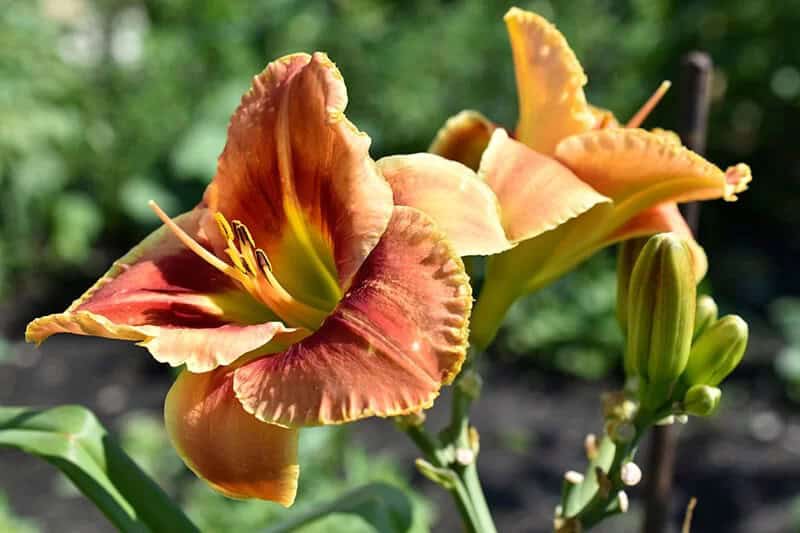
385, 507
71, 438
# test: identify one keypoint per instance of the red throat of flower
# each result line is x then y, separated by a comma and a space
251, 268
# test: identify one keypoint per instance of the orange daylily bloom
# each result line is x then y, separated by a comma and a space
604, 183
297, 293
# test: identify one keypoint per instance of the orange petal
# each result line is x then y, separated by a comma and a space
178, 306
663, 218
463, 138
236, 454
536, 193
639, 169
396, 337
297, 173
550, 83
450, 193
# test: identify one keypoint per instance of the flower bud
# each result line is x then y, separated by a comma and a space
717, 351
661, 307
702, 400
626, 259
705, 314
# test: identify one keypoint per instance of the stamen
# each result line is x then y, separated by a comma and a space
194, 246
649, 105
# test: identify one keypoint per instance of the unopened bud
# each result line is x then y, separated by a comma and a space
702, 400
441, 476
590, 446
682, 419
661, 308
630, 474
465, 456
626, 259
573, 478
717, 351
705, 314
470, 383
623, 502
666, 421
474, 439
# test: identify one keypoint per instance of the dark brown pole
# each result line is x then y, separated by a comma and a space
695, 96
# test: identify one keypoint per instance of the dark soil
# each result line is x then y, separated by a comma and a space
743, 465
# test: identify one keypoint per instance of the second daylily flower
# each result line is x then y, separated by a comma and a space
297, 293
601, 182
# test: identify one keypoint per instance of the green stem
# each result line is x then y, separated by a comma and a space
461, 480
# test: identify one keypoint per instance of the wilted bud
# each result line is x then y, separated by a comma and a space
705, 314
661, 307
717, 352
626, 259
702, 400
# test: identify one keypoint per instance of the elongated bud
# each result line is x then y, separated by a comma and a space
702, 400
661, 307
717, 351
705, 314
626, 259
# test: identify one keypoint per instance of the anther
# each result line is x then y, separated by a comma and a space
649, 105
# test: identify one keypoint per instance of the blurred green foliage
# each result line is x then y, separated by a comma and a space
331, 464
10, 523
105, 104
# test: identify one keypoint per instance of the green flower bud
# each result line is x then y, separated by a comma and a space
702, 400
661, 311
626, 259
706, 314
717, 351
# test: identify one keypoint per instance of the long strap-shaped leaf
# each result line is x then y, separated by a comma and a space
385, 507
71, 438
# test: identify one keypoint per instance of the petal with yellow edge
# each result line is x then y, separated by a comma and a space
463, 206
298, 174
639, 169
398, 335
235, 453
536, 193
660, 219
463, 138
550, 83
174, 303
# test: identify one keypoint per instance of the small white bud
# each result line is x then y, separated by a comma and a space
630, 474
573, 477
622, 500
682, 419
465, 456
590, 445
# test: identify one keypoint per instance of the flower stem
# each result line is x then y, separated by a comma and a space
450, 457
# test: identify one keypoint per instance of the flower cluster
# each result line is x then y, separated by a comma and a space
313, 285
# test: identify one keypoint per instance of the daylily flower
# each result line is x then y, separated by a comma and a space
608, 182
297, 292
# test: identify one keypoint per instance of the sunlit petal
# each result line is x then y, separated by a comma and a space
234, 452
297, 173
550, 83
463, 138
174, 303
396, 337
536, 193
450, 193
639, 169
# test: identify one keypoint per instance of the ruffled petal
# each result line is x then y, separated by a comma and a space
550, 83
639, 169
298, 174
236, 454
396, 337
536, 193
463, 138
659, 219
463, 206
174, 303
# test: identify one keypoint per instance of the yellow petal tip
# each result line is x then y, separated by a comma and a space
737, 179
